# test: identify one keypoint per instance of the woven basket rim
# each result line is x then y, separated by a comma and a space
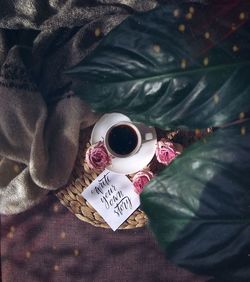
82, 176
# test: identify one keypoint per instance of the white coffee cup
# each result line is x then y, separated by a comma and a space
125, 138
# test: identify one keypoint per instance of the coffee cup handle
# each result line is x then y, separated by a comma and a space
148, 136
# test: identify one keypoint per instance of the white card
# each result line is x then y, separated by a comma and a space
112, 195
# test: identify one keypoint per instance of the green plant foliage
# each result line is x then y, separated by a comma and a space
186, 66
151, 70
199, 206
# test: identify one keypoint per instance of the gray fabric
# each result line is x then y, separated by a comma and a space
40, 118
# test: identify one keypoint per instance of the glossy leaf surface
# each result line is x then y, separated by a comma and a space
199, 206
173, 68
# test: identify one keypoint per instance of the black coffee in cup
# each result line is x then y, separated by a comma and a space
122, 139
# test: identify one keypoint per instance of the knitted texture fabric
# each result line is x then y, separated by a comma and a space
40, 118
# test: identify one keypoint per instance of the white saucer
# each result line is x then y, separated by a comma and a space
130, 164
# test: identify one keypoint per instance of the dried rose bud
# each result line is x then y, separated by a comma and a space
140, 179
167, 151
97, 156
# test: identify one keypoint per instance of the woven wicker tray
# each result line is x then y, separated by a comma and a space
82, 176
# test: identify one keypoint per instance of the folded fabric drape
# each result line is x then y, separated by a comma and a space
40, 118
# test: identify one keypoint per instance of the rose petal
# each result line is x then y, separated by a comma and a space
97, 156
140, 179
167, 151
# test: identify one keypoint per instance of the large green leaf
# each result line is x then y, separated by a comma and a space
153, 71
199, 206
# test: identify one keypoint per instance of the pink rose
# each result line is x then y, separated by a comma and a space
167, 151
140, 179
97, 156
